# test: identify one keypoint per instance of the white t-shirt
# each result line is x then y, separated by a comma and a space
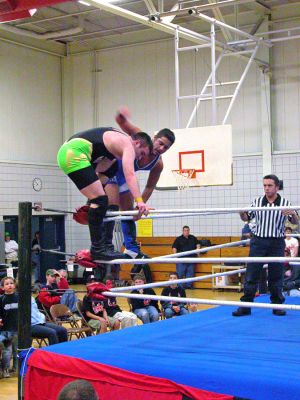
11, 249
292, 244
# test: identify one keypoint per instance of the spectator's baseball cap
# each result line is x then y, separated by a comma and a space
91, 278
52, 272
7, 234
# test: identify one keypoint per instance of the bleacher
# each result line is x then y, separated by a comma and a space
162, 245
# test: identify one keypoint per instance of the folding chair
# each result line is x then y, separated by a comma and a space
62, 315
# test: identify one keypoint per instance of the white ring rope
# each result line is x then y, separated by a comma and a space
213, 260
206, 210
203, 301
176, 281
150, 216
205, 249
184, 280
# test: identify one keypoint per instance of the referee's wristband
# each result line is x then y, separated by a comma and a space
138, 200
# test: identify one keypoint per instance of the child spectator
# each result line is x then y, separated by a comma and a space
8, 321
173, 308
95, 314
115, 313
145, 310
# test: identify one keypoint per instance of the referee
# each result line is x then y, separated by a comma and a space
267, 241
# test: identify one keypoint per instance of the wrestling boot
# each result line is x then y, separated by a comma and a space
95, 220
241, 312
109, 229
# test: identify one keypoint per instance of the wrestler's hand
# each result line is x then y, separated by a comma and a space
123, 114
143, 209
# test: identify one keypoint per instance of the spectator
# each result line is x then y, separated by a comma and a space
42, 329
291, 243
145, 310
8, 322
36, 257
78, 390
52, 293
96, 316
182, 243
115, 313
11, 249
173, 308
267, 240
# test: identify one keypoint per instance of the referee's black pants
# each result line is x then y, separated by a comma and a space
265, 247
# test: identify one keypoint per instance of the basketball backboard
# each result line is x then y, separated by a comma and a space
207, 150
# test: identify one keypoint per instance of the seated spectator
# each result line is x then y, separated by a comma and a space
145, 310
62, 280
115, 313
52, 293
78, 390
291, 243
8, 322
45, 330
173, 308
95, 314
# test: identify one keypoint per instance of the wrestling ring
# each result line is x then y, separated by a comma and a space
204, 355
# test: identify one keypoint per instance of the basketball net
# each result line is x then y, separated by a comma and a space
184, 177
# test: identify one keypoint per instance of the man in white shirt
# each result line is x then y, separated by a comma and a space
11, 249
291, 243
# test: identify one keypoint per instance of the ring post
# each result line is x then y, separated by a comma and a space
24, 282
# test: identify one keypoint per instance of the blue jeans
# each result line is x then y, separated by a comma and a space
185, 271
54, 333
69, 299
7, 338
169, 312
147, 314
265, 247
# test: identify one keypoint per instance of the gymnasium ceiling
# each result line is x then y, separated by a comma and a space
86, 27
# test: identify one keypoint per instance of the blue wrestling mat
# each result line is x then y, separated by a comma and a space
253, 357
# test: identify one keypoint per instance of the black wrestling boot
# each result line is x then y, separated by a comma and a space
241, 312
109, 229
95, 219
279, 313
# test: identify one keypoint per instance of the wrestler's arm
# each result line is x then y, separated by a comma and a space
152, 180
122, 119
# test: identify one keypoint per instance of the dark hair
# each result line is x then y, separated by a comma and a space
143, 137
167, 133
173, 273
274, 178
78, 390
185, 227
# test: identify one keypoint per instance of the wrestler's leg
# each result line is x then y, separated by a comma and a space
129, 227
73, 159
112, 191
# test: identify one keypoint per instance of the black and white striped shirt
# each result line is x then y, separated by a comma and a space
269, 224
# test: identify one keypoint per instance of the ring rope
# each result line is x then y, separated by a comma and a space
180, 211
205, 249
183, 280
190, 260
207, 210
204, 301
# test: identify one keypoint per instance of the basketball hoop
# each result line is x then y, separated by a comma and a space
184, 177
